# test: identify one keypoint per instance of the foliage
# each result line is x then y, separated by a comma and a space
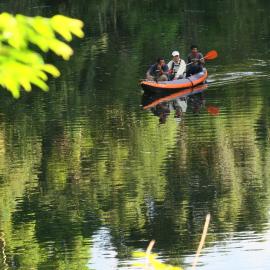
20, 65
152, 263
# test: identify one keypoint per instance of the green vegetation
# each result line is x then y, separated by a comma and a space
21, 66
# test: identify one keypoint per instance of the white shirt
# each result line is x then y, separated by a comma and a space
178, 68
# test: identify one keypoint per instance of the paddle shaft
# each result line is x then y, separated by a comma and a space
196, 61
209, 56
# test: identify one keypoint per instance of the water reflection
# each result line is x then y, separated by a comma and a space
164, 104
163, 109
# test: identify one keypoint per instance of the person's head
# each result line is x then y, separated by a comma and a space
194, 49
176, 56
161, 61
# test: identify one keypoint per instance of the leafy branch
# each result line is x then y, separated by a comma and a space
22, 67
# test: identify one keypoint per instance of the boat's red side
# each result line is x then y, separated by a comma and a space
175, 85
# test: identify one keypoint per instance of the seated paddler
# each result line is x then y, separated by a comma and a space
158, 71
195, 61
177, 67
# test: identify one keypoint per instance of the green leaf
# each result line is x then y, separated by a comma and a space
73, 26
38, 82
51, 69
20, 66
11, 85
38, 40
60, 48
42, 26
25, 84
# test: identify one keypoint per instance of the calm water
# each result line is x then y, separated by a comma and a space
87, 176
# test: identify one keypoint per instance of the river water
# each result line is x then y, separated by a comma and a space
87, 175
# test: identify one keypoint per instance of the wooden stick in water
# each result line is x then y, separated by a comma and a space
148, 252
206, 224
150, 247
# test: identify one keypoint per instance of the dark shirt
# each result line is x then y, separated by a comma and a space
153, 70
197, 57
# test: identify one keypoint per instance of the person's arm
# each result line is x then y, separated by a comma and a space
189, 59
181, 70
170, 65
202, 61
165, 69
149, 73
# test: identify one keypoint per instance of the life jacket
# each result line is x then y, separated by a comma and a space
175, 67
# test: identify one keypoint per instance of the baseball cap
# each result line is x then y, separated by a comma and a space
174, 53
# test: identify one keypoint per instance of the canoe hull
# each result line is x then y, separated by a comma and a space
175, 85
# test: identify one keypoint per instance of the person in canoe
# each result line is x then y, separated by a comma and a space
177, 67
158, 71
195, 61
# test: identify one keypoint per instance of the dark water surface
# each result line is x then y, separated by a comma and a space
87, 176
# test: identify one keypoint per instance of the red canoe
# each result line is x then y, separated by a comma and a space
175, 85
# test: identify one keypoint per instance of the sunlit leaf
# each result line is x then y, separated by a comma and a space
11, 85
51, 69
60, 48
40, 41
73, 26
25, 56
20, 66
40, 83
42, 27
25, 84
42, 75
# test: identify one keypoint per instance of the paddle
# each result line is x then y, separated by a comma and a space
209, 56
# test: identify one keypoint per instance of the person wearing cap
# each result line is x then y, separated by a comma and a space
195, 61
158, 71
177, 66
